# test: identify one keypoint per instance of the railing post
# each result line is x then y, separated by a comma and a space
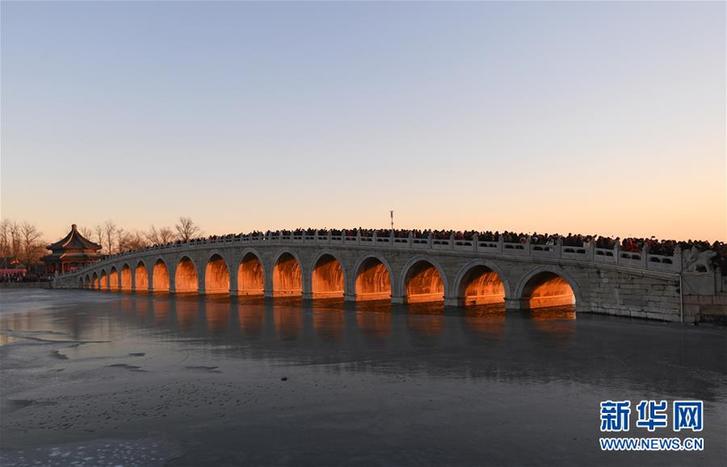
676, 259
451, 241
645, 256
476, 239
559, 247
429, 241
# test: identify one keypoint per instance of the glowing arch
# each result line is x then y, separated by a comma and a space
160, 276
185, 276
328, 278
287, 275
125, 278
250, 275
141, 277
216, 275
114, 280
481, 283
423, 280
372, 279
544, 287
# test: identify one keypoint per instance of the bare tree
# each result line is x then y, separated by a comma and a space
99, 237
109, 231
132, 241
121, 235
186, 229
4, 239
15, 239
32, 245
166, 234
86, 232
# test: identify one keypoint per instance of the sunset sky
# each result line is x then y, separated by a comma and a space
583, 117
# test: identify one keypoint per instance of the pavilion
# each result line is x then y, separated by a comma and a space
70, 253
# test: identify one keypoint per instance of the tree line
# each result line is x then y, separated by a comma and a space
22, 242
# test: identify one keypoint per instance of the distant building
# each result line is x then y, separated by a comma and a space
72, 252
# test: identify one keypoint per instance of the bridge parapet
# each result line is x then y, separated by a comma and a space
586, 253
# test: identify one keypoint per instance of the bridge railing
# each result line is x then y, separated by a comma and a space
583, 253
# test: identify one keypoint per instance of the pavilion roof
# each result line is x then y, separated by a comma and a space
74, 241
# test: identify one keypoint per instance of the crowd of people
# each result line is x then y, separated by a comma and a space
630, 244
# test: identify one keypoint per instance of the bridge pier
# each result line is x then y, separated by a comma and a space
516, 304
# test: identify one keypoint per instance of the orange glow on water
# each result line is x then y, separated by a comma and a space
186, 313
141, 278
161, 311
483, 287
373, 281
487, 320
216, 277
114, 280
328, 324
217, 315
185, 277
424, 284
374, 323
327, 279
548, 290
287, 278
250, 279
251, 319
288, 322
126, 277
160, 276
425, 322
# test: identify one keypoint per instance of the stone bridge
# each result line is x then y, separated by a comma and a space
405, 270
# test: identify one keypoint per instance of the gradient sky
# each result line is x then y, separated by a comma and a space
585, 117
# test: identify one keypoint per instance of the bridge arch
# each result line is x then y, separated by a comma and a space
141, 277
328, 276
373, 278
95, 283
250, 274
216, 274
546, 286
87, 282
423, 280
81, 283
114, 280
481, 282
103, 280
160, 276
287, 274
186, 279
125, 277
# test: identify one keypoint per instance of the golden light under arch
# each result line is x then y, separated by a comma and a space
482, 286
373, 280
141, 277
185, 276
250, 276
548, 289
423, 283
327, 278
160, 276
114, 283
125, 278
287, 276
216, 276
